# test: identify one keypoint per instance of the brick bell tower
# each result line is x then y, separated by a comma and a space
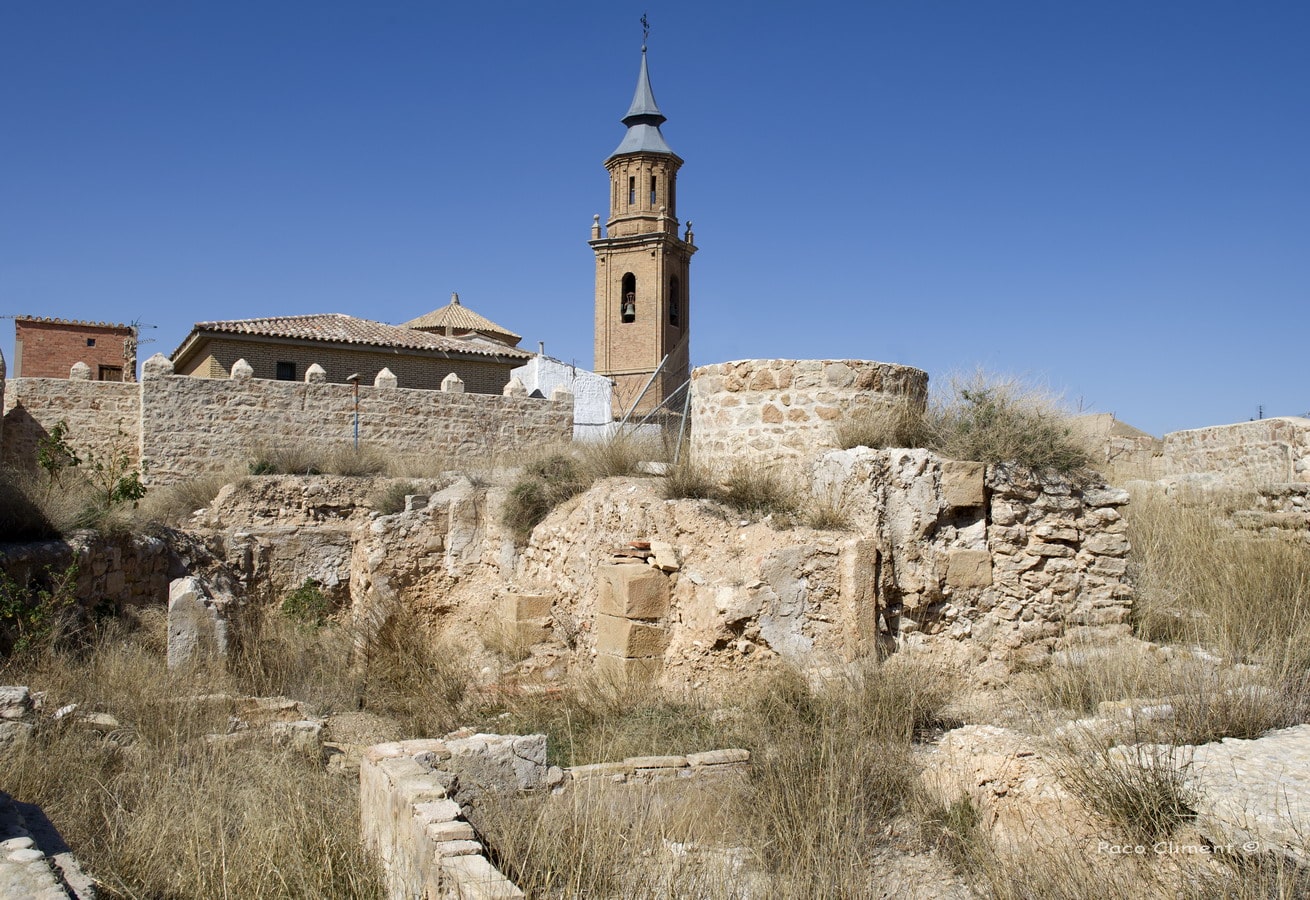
643, 288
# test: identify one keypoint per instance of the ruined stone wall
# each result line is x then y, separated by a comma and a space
991, 567
103, 417
1247, 454
781, 413
999, 564
113, 572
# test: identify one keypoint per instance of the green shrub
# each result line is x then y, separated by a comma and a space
35, 617
307, 604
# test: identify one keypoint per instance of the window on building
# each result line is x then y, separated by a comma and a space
286, 371
675, 298
652, 191
90, 342
628, 299
111, 373
632, 189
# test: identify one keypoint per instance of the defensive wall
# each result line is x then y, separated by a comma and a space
181, 426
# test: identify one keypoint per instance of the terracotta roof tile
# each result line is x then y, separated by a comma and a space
338, 328
456, 315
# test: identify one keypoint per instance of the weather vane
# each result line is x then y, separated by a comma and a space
645, 31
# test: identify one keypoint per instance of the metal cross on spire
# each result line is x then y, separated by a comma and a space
645, 31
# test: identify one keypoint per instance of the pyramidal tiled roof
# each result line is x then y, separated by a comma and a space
457, 316
338, 328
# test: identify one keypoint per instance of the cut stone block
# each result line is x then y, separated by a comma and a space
518, 607
632, 592
969, 569
624, 671
624, 637
963, 483
719, 757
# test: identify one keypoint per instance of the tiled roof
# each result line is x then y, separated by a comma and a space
342, 329
47, 320
457, 316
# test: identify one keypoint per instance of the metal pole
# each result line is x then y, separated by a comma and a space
356, 416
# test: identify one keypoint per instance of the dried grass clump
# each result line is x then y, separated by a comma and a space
153, 810
982, 417
901, 423
1201, 582
335, 459
546, 482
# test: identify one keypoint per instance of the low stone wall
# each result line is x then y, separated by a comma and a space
781, 413
1244, 455
421, 835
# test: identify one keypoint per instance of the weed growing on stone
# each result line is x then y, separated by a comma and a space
307, 604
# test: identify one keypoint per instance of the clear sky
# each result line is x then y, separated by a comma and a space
1109, 197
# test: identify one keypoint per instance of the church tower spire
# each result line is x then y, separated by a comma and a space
643, 313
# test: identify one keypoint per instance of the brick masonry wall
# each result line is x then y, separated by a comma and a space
782, 413
49, 349
411, 371
1248, 454
103, 417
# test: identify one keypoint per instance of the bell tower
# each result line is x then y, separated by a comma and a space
643, 288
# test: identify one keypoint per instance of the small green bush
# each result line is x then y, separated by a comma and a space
34, 617
307, 604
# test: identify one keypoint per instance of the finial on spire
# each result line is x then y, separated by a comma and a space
645, 31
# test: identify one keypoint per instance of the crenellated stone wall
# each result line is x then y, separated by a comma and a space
782, 413
180, 426
104, 417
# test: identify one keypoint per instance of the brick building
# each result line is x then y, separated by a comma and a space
643, 286
49, 348
284, 347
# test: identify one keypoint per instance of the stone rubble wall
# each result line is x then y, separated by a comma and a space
180, 427
1244, 455
998, 564
112, 571
104, 417
780, 413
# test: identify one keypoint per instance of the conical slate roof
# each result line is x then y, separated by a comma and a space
460, 318
643, 119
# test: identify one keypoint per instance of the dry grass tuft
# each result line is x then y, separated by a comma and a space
1199, 582
153, 810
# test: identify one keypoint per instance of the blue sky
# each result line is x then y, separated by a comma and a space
1111, 198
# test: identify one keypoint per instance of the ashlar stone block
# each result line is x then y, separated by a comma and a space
969, 569
632, 592
963, 484
621, 670
626, 638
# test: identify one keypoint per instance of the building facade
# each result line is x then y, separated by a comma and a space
283, 348
49, 348
643, 285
